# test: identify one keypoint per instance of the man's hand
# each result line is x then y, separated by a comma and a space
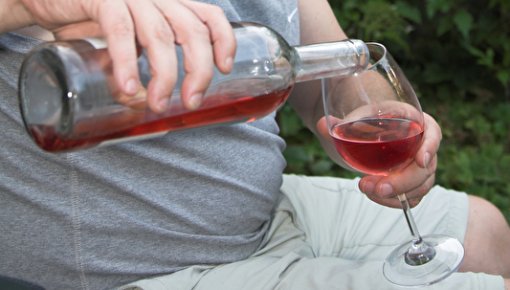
415, 180
156, 25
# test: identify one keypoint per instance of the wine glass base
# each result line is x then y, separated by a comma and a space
449, 253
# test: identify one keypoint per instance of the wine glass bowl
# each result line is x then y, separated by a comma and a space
374, 117
378, 144
376, 124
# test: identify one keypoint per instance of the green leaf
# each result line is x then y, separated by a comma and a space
321, 167
444, 25
289, 122
504, 77
464, 21
488, 58
297, 153
474, 50
408, 11
434, 6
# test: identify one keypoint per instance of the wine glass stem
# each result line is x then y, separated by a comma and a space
409, 218
419, 252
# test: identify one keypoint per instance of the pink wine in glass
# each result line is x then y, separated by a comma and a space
378, 145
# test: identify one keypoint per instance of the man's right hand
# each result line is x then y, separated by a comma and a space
156, 25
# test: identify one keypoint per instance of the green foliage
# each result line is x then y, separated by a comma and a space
457, 55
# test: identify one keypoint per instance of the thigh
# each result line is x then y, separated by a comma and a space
337, 273
327, 235
338, 220
288, 259
293, 272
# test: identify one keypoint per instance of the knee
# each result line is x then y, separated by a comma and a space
485, 219
487, 238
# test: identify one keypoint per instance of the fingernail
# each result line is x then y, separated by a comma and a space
228, 62
162, 104
368, 187
426, 159
131, 87
195, 101
386, 189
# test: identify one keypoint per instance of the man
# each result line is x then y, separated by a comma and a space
203, 208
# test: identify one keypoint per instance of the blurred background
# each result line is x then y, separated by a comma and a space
456, 53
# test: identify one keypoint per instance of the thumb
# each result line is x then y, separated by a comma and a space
322, 127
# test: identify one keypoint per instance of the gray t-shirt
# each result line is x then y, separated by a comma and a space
102, 217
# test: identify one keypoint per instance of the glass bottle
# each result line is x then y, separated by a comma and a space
68, 96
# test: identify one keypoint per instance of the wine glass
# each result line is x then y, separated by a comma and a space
376, 124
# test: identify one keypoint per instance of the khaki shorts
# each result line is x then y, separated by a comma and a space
327, 235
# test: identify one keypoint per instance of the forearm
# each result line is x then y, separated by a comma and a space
13, 15
318, 24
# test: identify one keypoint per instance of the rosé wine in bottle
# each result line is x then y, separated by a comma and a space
249, 108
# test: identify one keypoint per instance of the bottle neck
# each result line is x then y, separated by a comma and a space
332, 59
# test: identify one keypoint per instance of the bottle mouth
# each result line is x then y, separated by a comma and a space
362, 52
43, 90
378, 53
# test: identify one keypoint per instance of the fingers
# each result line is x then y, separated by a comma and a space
193, 36
414, 195
322, 127
202, 31
206, 38
431, 142
415, 180
115, 20
222, 35
87, 28
156, 36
